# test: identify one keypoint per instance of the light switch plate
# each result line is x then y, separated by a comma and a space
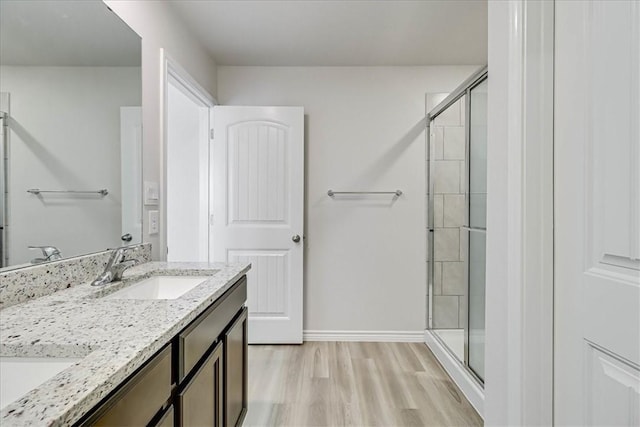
154, 226
151, 193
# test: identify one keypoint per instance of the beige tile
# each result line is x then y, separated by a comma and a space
437, 141
454, 143
446, 244
453, 210
438, 211
446, 177
437, 278
464, 242
453, 278
445, 312
462, 315
463, 177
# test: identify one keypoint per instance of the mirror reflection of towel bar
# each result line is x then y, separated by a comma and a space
396, 193
36, 191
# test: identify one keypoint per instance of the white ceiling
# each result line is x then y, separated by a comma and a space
65, 33
339, 32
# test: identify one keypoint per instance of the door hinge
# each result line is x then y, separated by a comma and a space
211, 219
211, 134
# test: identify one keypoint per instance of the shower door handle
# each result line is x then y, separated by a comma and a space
475, 229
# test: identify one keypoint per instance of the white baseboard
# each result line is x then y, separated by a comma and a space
463, 379
364, 336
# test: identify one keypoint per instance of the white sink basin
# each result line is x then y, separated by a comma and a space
159, 287
20, 375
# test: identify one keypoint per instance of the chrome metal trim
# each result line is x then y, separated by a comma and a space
476, 229
4, 208
430, 230
459, 92
446, 348
467, 219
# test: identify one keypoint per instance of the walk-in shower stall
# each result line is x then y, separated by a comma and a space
457, 197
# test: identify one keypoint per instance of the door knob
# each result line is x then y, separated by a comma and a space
296, 238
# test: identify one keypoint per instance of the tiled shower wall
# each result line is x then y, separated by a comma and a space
448, 139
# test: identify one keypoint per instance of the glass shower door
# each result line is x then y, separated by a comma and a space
457, 176
447, 165
476, 230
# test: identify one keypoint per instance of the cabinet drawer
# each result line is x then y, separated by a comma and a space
141, 397
198, 337
200, 403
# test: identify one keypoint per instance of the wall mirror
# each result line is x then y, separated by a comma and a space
71, 141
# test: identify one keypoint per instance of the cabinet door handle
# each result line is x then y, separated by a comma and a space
296, 238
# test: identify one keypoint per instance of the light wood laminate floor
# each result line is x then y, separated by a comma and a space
352, 384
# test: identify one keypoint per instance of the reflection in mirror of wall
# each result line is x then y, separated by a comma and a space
70, 83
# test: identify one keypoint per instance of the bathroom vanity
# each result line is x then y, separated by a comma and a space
138, 358
198, 379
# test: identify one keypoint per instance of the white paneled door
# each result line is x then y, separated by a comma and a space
597, 213
257, 205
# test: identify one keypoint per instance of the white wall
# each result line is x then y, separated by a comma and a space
365, 258
159, 28
65, 134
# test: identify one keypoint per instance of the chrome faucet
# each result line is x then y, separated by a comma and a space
49, 253
115, 267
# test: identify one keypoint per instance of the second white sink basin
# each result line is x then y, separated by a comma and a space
159, 287
20, 375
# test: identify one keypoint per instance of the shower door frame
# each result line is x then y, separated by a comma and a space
4, 256
464, 90
5, 109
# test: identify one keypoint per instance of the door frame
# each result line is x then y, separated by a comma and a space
172, 70
519, 309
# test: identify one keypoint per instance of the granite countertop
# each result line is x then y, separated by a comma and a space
113, 337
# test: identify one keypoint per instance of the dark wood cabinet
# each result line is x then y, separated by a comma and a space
212, 358
199, 379
235, 371
201, 399
197, 338
140, 398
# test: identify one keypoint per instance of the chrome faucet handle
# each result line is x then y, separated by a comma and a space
115, 267
117, 256
118, 269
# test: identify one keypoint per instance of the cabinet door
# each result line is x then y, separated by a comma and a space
235, 371
201, 400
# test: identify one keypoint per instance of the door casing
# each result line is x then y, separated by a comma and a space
519, 298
